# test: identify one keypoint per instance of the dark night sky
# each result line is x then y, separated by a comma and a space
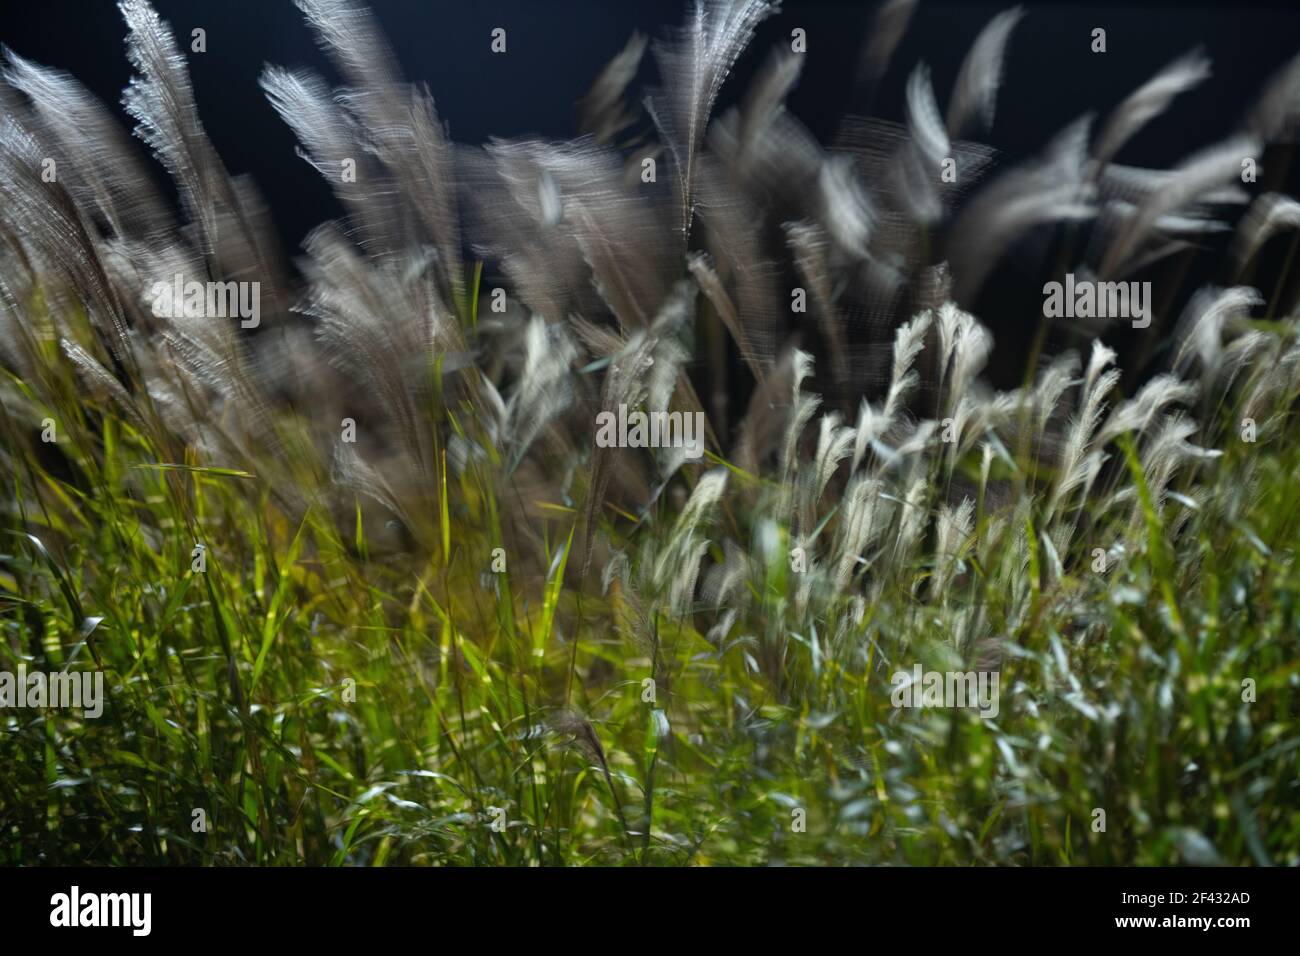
557, 47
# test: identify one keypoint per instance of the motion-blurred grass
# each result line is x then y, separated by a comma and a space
477, 692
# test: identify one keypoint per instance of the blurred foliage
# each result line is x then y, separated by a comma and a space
477, 692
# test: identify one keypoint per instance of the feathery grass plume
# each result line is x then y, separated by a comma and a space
1274, 382
620, 388
975, 91
1047, 189
711, 285
833, 446
1079, 460
583, 735
161, 100
1123, 190
1164, 450
694, 62
744, 264
330, 136
914, 443
964, 347
1200, 330
1149, 101
545, 386
1170, 448
54, 235
403, 132
384, 323
604, 110
909, 340
870, 426
1245, 351
627, 382
812, 255
522, 197
1215, 168
887, 29
98, 379
914, 515
1051, 385
846, 207
803, 407
724, 582
346, 31
765, 102
103, 172
356, 474
1277, 111
859, 527
979, 418
766, 152
633, 265
1264, 218
926, 148
952, 530
1137, 413
680, 553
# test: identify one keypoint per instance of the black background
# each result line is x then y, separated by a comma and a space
732, 909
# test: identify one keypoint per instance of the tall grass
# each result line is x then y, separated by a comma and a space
474, 637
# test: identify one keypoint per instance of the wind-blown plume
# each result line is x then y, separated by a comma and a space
1277, 111
887, 29
1200, 331
975, 91
403, 131
104, 172
1044, 190
604, 112
1149, 101
161, 100
695, 62
1266, 216
1216, 167
47, 217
